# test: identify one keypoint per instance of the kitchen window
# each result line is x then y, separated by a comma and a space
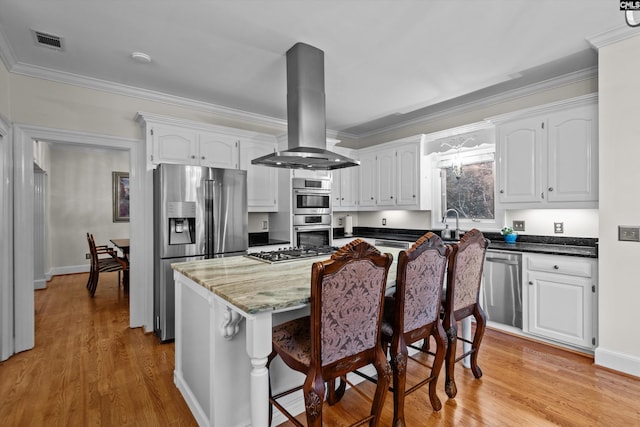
465, 181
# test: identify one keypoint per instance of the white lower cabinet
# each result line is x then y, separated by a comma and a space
560, 299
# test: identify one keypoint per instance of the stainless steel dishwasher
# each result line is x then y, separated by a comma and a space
502, 287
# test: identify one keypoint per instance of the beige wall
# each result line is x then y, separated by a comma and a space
80, 201
4, 92
619, 109
62, 106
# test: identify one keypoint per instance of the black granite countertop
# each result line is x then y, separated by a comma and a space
571, 246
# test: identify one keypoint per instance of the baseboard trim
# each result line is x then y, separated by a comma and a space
617, 361
70, 269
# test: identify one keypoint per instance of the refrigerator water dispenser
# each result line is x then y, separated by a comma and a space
182, 223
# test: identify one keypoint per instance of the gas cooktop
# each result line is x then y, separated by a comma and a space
292, 254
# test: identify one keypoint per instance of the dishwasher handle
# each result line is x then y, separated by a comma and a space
503, 261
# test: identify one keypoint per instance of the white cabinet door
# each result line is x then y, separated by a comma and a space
349, 179
262, 181
520, 160
344, 188
172, 144
386, 177
408, 175
368, 183
218, 150
550, 160
573, 156
560, 306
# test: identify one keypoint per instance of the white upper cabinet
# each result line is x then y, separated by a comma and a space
344, 188
262, 181
368, 183
390, 177
550, 159
174, 144
218, 150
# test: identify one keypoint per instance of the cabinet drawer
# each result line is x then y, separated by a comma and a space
560, 264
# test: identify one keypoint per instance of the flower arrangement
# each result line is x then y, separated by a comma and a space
506, 231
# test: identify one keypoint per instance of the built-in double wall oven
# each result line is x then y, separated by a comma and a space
311, 212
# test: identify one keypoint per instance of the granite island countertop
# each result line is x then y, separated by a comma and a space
254, 286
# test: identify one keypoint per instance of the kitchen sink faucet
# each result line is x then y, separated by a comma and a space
456, 233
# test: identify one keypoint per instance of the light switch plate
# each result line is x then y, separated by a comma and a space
558, 227
518, 225
629, 233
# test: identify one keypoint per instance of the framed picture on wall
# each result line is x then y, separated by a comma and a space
120, 196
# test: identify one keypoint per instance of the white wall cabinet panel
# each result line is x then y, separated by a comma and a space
550, 160
573, 155
262, 181
386, 177
560, 299
181, 145
218, 150
519, 162
344, 188
368, 181
171, 144
408, 173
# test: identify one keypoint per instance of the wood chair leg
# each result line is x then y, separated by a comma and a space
441, 349
313, 391
477, 340
399, 367
384, 377
450, 383
335, 394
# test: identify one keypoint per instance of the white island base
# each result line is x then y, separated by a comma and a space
213, 370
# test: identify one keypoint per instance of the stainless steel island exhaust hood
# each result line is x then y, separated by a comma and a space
306, 122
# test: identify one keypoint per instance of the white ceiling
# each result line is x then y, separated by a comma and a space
385, 61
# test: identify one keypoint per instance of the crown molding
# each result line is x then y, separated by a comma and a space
133, 92
591, 98
612, 36
489, 101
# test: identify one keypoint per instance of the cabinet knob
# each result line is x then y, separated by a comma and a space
550, 188
342, 198
202, 157
414, 196
501, 191
392, 197
530, 282
193, 157
556, 267
372, 198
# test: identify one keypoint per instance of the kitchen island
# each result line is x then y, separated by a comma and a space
225, 310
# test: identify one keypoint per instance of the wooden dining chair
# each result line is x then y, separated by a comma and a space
102, 264
342, 333
464, 276
413, 314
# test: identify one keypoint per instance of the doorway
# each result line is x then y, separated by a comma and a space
23, 141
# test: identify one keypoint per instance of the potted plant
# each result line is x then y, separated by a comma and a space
510, 236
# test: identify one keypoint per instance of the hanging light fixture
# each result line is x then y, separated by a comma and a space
456, 163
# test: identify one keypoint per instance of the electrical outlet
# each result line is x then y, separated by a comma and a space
384, 221
629, 233
265, 225
340, 221
558, 227
518, 225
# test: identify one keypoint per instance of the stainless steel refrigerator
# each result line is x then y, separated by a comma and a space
199, 213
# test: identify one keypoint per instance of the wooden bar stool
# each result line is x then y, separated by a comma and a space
464, 275
413, 314
342, 332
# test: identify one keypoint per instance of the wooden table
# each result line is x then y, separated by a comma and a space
123, 245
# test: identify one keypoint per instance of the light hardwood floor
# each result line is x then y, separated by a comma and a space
88, 368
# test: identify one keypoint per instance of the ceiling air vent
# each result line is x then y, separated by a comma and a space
48, 40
